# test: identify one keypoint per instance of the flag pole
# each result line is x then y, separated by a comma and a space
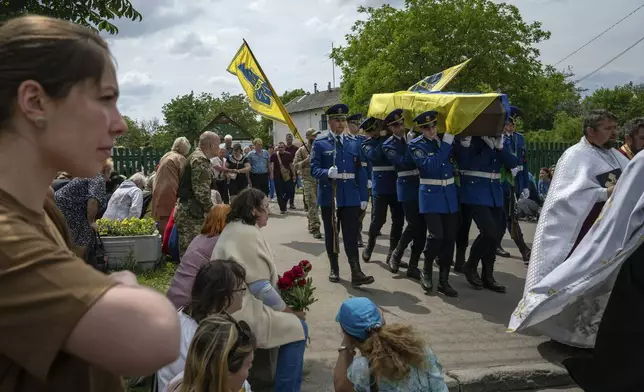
289, 120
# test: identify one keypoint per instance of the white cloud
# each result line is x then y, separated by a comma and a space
186, 45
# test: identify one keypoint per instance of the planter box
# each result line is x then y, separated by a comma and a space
145, 250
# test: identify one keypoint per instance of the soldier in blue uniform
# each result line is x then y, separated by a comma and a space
438, 199
335, 161
519, 180
354, 122
480, 160
395, 149
383, 179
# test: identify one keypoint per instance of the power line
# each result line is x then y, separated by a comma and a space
611, 60
599, 35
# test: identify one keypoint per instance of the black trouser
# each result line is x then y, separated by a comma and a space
414, 231
291, 198
222, 187
463, 233
283, 190
348, 220
491, 224
260, 181
379, 217
441, 234
509, 217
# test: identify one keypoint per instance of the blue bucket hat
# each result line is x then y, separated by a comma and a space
358, 316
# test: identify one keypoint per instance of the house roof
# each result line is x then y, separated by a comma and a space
319, 100
223, 125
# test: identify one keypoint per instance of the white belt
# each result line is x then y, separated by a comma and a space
520, 168
474, 173
346, 176
383, 168
364, 164
427, 181
408, 173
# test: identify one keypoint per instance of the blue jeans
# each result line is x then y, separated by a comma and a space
271, 189
290, 363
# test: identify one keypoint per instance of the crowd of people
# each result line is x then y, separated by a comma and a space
67, 326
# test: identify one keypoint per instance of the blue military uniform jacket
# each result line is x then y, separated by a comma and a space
438, 193
516, 144
365, 163
383, 173
407, 183
480, 168
350, 190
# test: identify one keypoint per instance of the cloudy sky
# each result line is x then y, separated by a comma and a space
185, 45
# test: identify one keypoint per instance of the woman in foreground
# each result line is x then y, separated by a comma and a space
64, 325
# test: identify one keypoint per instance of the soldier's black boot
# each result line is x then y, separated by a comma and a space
459, 259
334, 275
360, 243
488, 277
413, 271
358, 278
366, 253
426, 276
443, 283
502, 252
470, 270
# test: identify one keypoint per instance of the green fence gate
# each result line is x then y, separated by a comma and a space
544, 155
128, 161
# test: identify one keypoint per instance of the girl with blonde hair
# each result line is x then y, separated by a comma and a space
219, 358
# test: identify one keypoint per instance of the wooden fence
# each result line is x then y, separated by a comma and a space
128, 161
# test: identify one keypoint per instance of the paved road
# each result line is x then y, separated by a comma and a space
467, 332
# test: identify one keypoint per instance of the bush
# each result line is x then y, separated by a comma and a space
127, 227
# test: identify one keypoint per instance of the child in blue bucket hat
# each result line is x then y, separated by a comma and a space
392, 356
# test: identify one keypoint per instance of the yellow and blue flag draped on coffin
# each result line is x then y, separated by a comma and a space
261, 94
456, 111
438, 81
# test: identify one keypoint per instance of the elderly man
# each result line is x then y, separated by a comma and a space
259, 167
228, 145
633, 132
194, 197
585, 178
127, 200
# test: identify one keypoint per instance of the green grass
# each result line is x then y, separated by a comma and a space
160, 278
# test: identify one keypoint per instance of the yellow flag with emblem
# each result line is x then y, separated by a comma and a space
438, 81
259, 91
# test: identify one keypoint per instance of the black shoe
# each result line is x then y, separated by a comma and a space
317, 235
292, 207
358, 278
426, 281
502, 252
393, 261
443, 284
459, 259
334, 275
368, 251
470, 270
488, 278
360, 243
413, 273
526, 255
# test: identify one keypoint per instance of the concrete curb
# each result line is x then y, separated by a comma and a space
507, 378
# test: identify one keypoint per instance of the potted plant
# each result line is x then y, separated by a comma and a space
130, 242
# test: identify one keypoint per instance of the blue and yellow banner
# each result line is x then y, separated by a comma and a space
261, 94
438, 81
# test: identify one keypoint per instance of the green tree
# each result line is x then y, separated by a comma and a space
390, 49
626, 101
566, 129
136, 136
92, 13
266, 125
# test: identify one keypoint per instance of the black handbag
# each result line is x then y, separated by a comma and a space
95, 254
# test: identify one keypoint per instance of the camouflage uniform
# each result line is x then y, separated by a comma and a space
194, 200
310, 185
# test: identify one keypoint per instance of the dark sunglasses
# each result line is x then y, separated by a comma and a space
243, 334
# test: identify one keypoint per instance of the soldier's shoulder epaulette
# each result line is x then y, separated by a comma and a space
322, 135
350, 136
417, 139
389, 140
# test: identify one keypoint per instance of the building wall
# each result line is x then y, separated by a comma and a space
302, 120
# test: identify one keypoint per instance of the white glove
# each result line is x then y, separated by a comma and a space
489, 141
369, 184
514, 171
466, 141
363, 205
498, 142
333, 172
525, 193
448, 138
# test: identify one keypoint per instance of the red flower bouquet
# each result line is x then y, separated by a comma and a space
297, 289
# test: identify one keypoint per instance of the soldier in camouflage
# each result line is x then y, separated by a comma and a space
193, 196
310, 184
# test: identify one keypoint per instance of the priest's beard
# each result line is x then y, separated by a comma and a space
609, 144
